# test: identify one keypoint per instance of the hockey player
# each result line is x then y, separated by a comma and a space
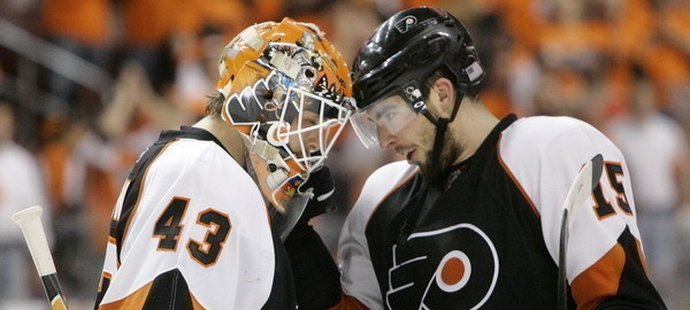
472, 219
192, 227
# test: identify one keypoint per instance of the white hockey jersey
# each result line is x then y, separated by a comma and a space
190, 230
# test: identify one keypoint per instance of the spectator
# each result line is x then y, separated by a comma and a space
21, 186
655, 147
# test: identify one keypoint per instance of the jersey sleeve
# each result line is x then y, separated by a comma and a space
110, 262
605, 262
358, 278
199, 227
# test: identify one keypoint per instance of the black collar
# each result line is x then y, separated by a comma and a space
486, 147
190, 132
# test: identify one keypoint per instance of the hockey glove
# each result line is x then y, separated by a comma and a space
317, 279
320, 185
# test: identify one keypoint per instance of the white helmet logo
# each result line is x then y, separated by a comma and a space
412, 92
404, 24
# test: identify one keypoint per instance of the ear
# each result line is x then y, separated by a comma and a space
445, 92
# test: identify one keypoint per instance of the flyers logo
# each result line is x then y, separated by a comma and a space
405, 24
461, 269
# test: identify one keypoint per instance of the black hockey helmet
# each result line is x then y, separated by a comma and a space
404, 52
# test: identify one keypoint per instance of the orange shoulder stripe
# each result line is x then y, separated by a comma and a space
348, 302
600, 280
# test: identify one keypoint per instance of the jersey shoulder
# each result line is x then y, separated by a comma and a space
537, 133
549, 151
384, 179
379, 184
206, 173
197, 159
531, 141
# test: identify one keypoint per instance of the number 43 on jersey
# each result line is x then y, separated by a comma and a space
168, 229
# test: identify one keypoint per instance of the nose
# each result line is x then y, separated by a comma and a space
311, 141
386, 139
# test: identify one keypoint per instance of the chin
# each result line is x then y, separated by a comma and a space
431, 172
436, 172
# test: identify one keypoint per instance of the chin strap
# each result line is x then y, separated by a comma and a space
441, 128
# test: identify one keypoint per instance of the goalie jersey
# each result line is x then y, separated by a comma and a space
490, 238
190, 230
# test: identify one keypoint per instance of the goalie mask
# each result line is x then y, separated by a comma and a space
287, 91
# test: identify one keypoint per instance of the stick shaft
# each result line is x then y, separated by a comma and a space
583, 185
562, 280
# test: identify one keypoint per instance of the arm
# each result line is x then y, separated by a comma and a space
358, 287
605, 263
315, 274
358, 276
359, 280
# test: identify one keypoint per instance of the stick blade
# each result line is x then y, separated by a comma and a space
585, 182
597, 170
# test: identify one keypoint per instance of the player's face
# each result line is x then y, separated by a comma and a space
415, 140
309, 137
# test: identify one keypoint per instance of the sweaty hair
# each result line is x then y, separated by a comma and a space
215, 104
439, 73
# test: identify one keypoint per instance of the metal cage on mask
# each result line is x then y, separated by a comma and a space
288, 111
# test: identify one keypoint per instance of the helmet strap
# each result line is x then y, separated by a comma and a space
441, 128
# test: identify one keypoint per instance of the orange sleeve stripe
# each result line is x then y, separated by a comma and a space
135, 300
348, 302
195, 303
104, 276
600, 280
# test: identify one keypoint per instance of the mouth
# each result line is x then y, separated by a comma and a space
408, 152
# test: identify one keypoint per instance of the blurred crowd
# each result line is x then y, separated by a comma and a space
86, 85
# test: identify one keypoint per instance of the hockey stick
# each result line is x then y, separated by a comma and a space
29, 220
582, 187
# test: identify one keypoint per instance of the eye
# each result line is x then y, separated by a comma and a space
385, 115
309, 119
308, 122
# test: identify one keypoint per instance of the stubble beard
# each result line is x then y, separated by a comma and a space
437, 171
